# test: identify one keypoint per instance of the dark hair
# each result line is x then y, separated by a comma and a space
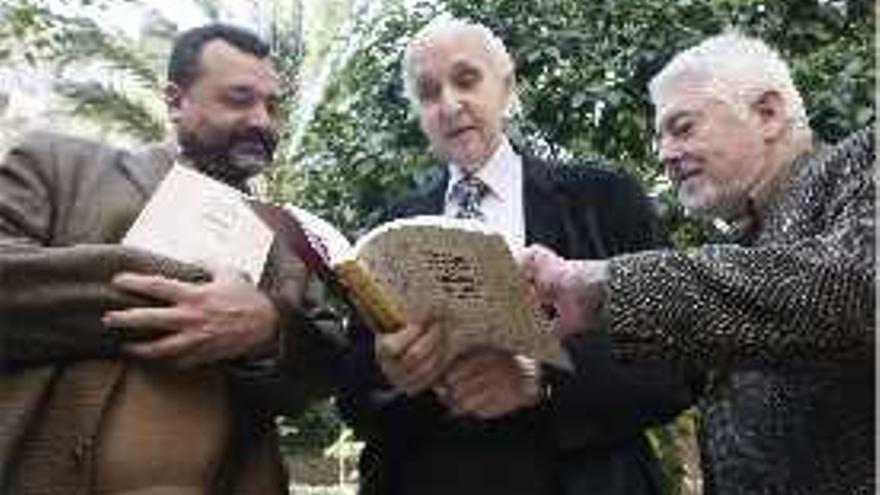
184, 64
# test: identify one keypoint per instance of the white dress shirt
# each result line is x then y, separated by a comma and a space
503, 204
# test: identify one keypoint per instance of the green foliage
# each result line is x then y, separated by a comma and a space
364, 144
68, 44
582, 70
27, 32
124, 94
675, 445
30, 31
87, 42
101, 103
312, 431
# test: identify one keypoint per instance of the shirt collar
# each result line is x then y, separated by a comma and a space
498, 173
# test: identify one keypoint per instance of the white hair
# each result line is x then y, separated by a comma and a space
445, 25
738, 69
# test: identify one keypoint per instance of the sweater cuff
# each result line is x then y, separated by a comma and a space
623, 311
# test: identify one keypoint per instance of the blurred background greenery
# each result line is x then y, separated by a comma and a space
349, 141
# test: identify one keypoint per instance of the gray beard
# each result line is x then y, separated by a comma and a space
247, 163
233, 168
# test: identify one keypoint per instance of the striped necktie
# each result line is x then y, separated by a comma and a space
467, 194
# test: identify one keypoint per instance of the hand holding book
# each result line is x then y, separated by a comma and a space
574, 289
195, 219
415, 357
459, 272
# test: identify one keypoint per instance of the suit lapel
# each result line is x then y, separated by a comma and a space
546, 217
433, 195
547, 220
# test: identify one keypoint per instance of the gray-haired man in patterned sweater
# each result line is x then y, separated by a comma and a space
783, 319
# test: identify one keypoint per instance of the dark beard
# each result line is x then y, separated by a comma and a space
232, 157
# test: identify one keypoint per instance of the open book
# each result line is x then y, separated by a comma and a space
459, 271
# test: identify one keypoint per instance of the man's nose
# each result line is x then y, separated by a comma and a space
260, 117
668, 153
451, 101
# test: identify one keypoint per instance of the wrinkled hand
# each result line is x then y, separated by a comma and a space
414, 357
575, 288
204, 323
488, 383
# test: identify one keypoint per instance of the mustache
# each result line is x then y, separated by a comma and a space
231, 157
266, 140
679, 169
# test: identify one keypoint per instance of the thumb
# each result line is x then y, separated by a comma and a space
571, 314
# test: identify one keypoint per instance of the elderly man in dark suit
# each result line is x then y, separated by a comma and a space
489, 423
99, 392
783, 315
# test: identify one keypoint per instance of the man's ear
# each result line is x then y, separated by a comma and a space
510, 98
509, 85
174, 101
772, 115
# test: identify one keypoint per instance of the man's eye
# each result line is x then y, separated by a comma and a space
683, 129
467, 79
240, 98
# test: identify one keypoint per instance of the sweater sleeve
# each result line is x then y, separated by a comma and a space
803, 296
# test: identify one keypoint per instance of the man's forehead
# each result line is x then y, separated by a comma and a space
451, 49
227, 65
681, 97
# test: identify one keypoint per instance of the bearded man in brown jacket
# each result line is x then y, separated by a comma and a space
87, 408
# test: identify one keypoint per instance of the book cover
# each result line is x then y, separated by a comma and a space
196, 219
461, 272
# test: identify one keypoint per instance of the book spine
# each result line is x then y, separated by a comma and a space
371, 297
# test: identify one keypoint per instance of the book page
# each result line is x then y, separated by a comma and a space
324, 236
463, 273
196, 219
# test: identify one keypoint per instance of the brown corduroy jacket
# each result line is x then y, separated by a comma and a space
64, 203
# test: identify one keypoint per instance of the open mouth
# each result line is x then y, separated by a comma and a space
460, 131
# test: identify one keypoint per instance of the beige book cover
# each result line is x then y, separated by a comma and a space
196, 219
460, 271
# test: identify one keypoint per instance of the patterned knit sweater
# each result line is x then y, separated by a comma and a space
783, 321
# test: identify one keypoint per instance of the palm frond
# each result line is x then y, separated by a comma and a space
110, 107
87, 42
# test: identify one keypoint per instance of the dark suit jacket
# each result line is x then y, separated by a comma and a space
64, 204
588, 438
